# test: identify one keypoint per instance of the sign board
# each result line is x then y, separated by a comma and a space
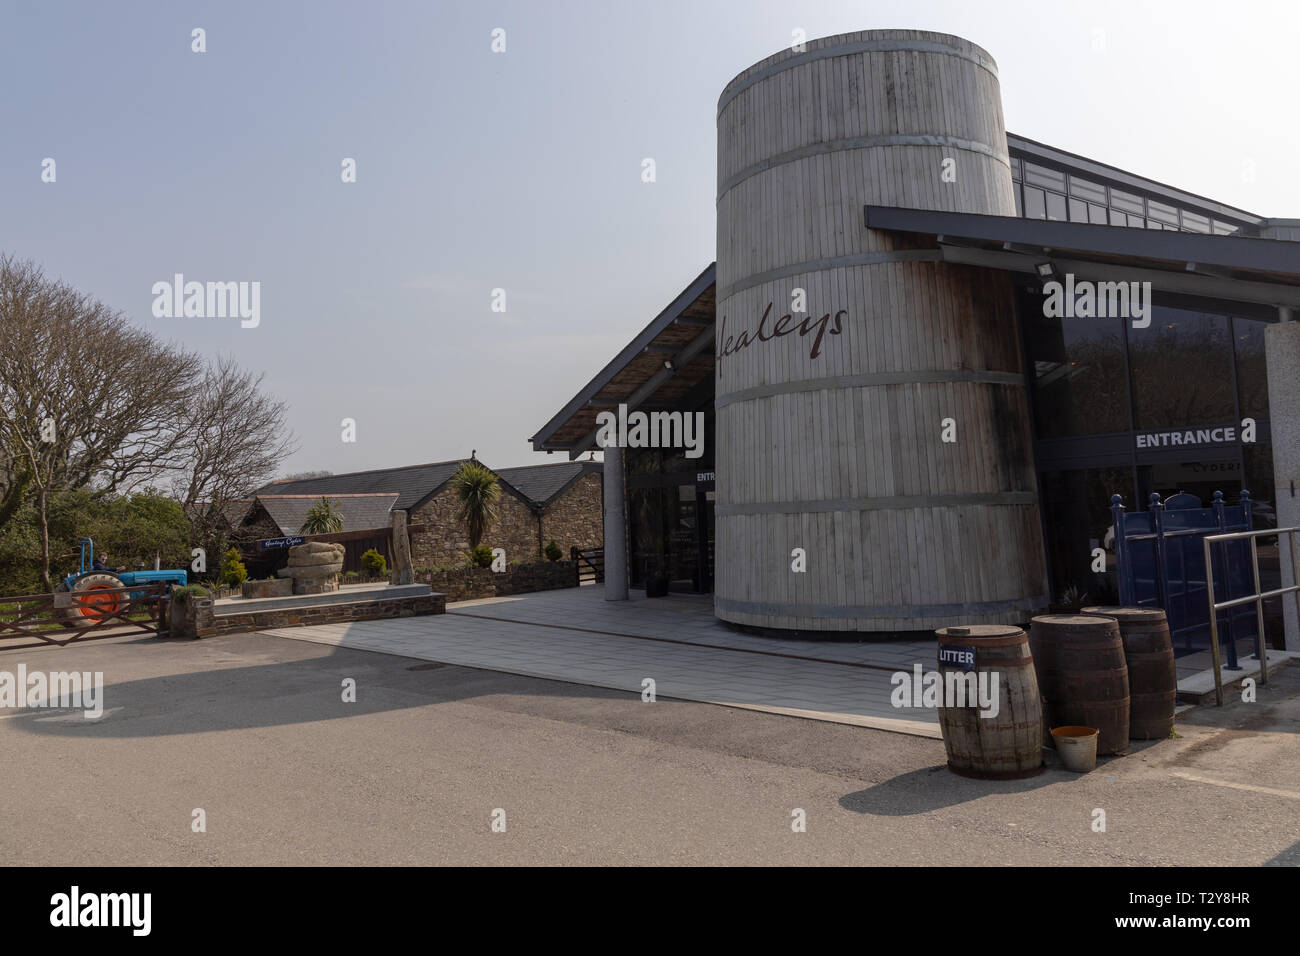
1222, 435
705, 479
961, 656
270, 544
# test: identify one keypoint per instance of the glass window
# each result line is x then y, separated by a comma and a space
1194, 222
1097, 214
1020, 203
1079, 386
1224, 228
1252, 371
1015, 168
1035, 203
1079, 503
1126, 201
1118, 218
1262, 486
1161, 356
1056, 207
1078, 210
1093, 192
1162, 213
1042, 176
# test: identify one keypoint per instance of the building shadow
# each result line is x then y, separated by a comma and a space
303, 690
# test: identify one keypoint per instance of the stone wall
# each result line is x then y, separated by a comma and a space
573, 520
469, 584
208, 624
445, 542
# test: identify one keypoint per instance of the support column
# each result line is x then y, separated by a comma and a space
1282, 352
615, 520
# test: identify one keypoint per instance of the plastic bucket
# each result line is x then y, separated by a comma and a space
1077, 747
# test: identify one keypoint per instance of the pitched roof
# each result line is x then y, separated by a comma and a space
542, 483
411, 483
235, 510
361, 512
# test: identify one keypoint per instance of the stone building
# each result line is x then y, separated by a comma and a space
538, 504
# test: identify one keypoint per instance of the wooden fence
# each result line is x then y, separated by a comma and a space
62, 618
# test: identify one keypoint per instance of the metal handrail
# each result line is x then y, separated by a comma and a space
1257, 598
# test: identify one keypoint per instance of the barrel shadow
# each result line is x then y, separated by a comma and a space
934, 788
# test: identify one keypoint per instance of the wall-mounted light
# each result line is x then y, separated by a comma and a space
668, 364
1046, 271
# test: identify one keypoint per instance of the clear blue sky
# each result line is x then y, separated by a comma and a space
518, 170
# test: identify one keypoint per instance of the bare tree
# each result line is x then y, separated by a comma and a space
235, 438
88, 399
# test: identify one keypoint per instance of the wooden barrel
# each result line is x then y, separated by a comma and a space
842, 353
1086, 675
1003, 745
1152, 677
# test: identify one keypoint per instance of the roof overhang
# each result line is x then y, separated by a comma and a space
666, 362
1228, 268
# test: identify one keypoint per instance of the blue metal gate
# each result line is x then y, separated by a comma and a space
1160, 560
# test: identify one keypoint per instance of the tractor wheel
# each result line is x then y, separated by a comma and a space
90, 604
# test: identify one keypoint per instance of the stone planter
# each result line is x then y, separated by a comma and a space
277, 587
185, 614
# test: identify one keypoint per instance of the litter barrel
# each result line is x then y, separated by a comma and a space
1086, 675
1006, 742
1152, 677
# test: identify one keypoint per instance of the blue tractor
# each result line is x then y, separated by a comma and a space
88, 595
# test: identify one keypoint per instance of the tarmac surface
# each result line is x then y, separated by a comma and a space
253, 730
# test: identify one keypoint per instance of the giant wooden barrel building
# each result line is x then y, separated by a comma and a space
830, 419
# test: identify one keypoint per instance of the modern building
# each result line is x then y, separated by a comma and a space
893, 387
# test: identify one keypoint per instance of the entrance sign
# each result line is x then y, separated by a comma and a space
270, 544
1199, 436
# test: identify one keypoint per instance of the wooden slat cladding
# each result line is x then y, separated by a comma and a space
829, 422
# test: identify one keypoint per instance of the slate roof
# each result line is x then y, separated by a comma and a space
542, 483
537, 484
360, 512
236, 510
411, 483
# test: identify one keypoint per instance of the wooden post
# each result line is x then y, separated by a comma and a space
401, 573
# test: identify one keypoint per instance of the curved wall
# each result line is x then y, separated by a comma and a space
829, 421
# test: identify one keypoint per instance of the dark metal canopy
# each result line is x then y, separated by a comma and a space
1231, 268
667, 361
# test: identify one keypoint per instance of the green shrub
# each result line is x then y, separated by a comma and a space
233, 573
553, 552
481, 557
188, 591
374, 564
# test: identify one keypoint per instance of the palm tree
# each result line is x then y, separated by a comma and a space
324, 517
477, 490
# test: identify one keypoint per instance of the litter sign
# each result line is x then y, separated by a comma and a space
961, 656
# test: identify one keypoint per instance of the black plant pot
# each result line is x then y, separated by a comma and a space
656, 587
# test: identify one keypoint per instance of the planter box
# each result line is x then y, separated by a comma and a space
280, 587
188, 615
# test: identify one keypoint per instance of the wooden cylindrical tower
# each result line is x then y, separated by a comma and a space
871, 404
